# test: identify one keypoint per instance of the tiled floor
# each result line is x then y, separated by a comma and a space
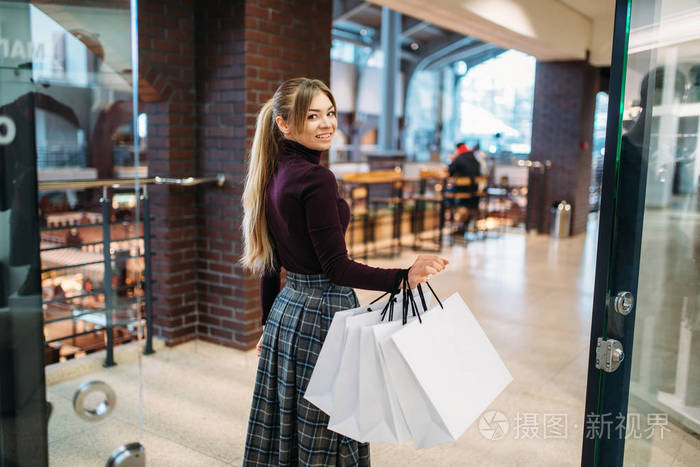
531, 294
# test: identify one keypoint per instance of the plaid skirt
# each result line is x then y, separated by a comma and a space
285, 429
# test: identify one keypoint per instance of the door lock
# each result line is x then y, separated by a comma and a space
608, 354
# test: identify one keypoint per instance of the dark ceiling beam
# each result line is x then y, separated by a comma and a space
348, 32
409, 56
473, 54
435, 50
436, 45
348, 37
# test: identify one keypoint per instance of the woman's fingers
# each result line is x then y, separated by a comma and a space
434, 259
425, 267
435, 266
259, 346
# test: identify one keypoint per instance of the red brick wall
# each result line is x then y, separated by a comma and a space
166, 54
562, 132
244, 50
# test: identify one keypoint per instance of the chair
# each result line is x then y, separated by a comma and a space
357, 197
385, 191
430, 195
369, 193
462, 198
481, 194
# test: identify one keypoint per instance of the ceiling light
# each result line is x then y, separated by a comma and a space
460, 68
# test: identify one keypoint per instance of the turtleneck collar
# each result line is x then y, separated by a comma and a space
292, 148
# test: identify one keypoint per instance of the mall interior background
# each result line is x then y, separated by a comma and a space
206, 68
524, 89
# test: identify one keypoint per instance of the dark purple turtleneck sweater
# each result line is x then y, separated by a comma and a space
307, 219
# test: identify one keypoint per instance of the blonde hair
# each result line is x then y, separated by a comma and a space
291, 101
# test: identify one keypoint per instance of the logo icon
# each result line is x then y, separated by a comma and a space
493, 425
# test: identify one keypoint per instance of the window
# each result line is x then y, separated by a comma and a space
495, 104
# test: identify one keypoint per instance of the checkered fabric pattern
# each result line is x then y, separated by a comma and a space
285, 429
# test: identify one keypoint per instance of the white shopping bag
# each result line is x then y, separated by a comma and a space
456, 368
345, 410
319, 389
365, 408
345, 388
424, 423
379, 415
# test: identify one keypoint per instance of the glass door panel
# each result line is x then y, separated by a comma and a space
662, 115
71, 247
645, 356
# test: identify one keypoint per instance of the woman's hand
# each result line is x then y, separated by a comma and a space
259, 346
424, 267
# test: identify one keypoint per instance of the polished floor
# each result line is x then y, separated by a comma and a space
531, 294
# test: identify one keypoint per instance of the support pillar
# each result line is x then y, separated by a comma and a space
391, 48
562, 132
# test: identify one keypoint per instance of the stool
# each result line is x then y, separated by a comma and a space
436, 180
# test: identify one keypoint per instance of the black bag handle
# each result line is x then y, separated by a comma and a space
420, 292
369, 307
410, 300
406, 300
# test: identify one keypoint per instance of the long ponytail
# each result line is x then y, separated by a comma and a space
258, 249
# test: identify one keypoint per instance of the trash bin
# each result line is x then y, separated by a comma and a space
561, 219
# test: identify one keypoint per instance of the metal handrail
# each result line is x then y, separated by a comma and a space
110, 304
121, 307
220, 180
535, 164
78, 246
71, 266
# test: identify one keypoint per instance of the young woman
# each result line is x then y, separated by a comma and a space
295, 218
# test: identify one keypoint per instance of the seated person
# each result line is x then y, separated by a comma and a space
463, 163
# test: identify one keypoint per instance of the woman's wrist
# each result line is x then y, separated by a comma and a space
401, 275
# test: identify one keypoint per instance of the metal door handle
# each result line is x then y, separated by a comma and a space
624, 302
103, 409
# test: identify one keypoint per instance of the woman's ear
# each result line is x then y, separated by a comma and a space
282, 125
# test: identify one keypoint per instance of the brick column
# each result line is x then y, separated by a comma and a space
166, 55
244, 51
562, 132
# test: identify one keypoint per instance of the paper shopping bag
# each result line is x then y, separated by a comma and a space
345, 410
345, 388
319, 389
422, 420
456, 369
379, 415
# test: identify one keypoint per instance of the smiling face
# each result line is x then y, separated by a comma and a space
319, 127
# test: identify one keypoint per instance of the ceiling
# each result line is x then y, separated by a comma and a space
423, 45
582, 30
591, 8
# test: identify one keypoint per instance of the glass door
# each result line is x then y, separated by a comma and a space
23, 410
71, 242
643, 398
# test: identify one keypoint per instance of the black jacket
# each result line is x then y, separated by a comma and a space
465, 165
